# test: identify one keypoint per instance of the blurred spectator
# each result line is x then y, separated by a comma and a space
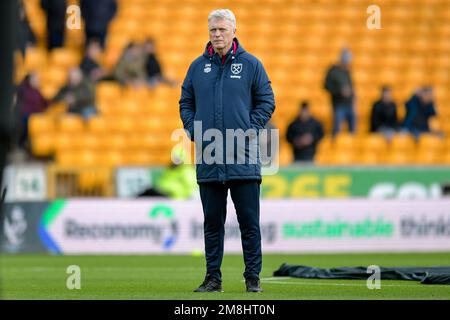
178, 181
25, 37
97, 16
266, 155
153, 67
89, 64
29, 101
384, 114
56, 22
130, 70
338, 83
419, 109
78, 94
303, 134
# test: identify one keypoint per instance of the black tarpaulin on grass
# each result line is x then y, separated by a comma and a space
426, 275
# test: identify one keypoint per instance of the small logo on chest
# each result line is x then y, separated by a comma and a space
207, 68
236, 68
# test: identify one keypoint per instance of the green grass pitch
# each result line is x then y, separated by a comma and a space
174, 277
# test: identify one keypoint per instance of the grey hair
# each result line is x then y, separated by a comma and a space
223, 14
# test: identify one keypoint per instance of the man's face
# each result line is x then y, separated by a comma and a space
221, 33
387, 96
304, 114
427, 96
94, 50
75, 77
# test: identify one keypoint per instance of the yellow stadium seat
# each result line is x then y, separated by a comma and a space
88, 180
123, 124
285, 157
138, 157
86, 158
345, 141
429, 142
64, 142
129, 107
369, 158
325, 145
400, 158
91, 141
54, 75
66, 158
99, 124
115, 141
445, 159
35, 58
150, 124
40, 123
64, 58
375, 142
49, 89
402, 142
108, 91
322, 158
427, 157
43, 144
111, 158
71, 123
446, 144
343, 157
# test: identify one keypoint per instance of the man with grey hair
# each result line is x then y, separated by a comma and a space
227, 88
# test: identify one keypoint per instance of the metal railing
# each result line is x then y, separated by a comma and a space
65, 181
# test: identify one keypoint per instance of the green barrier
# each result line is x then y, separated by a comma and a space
341, 182
345, 182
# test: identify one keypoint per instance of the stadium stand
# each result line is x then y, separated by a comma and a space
411, 49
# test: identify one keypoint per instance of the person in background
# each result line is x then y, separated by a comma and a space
338, 83
29, 101
419, 109
78, 94
265, 145
97, 15
89, 65
384, 118
153, 67
25, 35
178, 181
130, 70
304, 133
56, 22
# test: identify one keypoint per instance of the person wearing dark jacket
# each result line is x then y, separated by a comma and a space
78, 94
56, 22
29, 101
338, 83
384, 114
97, 15
419, 109
25, 35
153, 67
89, 65
227, 96
304, 133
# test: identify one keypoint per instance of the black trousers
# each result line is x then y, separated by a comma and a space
245, 195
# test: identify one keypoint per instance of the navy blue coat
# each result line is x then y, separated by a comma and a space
234, 95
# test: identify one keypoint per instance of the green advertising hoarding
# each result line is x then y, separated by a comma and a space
324, 182
342, 182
